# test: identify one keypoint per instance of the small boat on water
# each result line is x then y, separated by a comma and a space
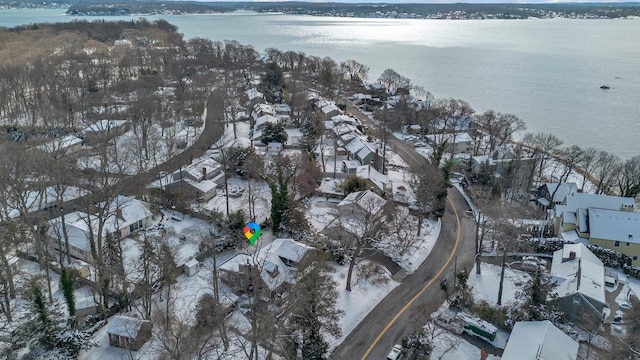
604, 87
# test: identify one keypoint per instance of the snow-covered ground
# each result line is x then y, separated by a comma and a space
259, 191
366, 292
413, 251
130, 154
485, 286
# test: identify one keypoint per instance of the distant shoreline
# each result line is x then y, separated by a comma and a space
456, 11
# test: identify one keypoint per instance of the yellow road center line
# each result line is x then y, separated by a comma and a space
451, 256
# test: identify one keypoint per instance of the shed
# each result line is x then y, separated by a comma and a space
191, 267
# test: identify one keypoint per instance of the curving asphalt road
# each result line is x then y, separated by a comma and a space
374, 337
409, 305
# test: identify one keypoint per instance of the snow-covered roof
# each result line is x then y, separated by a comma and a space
576, 200
570, 236
569, 218
269, 257
583, 274
341, 118
355, 145
329, 108
281, 108
374, 176
343, 128
104, 126
124, 211
463, 138
125, 326
292, 250
366, 200
536, 340
351, 164
614, 225
262, 120
62, 143
197, 170
563, 190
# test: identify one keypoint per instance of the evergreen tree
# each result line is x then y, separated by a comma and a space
355, 183
314, 311
66, 282
535, 300
279, 185
274, 133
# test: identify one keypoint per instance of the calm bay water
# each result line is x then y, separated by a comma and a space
547, 72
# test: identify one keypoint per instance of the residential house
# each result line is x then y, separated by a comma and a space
362, 203
456, 143
128, 332
537, 340
617, 230
126, 215
272, 270
365, 152
579, 275
557, 190
329, 111
344, 119
571, 215
261, 123
197, 181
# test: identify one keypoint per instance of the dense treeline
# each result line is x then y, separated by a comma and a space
142, 7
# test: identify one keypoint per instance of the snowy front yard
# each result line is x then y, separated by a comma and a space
485, 286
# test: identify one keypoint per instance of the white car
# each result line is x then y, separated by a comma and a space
395, 352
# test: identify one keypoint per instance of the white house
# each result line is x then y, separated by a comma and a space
365, 203
275, 266
580, 278
537, 340
199, 180
126, 215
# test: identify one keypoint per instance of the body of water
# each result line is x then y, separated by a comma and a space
547, 72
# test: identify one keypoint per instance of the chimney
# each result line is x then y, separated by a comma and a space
627, 208
204, 173
572, 255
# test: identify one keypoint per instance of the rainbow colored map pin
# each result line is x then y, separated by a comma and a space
252, 232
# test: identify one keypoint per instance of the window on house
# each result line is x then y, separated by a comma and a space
635, 257
627, 244
617, 243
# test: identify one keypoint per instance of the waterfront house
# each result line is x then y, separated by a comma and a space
579, 275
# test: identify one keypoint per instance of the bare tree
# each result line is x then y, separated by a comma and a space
430, 191
605, 171
629, 177
362, 223
499, 128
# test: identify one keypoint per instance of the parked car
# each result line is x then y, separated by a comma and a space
395, 353
624, 305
